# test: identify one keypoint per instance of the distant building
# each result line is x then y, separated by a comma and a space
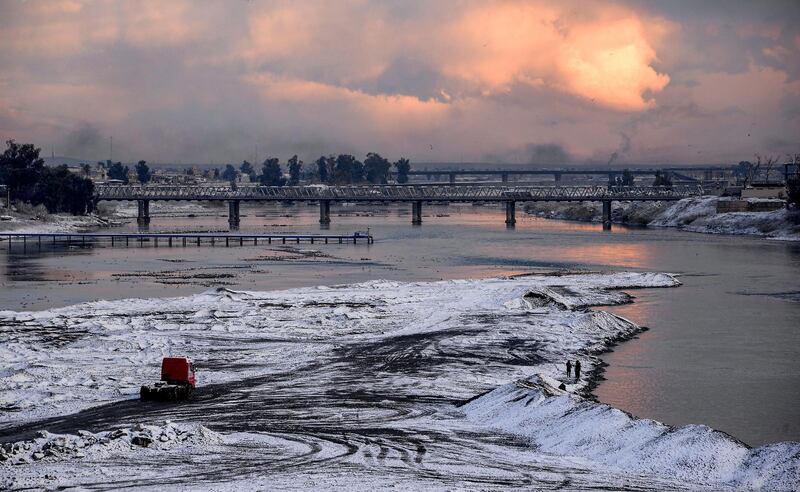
96, 173
161, 176
765, 190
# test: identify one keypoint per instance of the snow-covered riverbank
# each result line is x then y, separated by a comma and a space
35, 220
44, 223
368, 378
698, 214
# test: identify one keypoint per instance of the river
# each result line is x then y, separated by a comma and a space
722, 349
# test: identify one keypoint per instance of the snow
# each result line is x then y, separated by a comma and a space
567, 424
477, 336
700, 215
48, 457
696, 214
102, 351
53, 223
48, 447
30, 223
686, 211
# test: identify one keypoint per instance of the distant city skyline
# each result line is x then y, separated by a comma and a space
518, 82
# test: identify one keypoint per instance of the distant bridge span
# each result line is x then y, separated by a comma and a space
416, 194
504, 173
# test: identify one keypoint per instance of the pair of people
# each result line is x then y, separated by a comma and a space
577, 369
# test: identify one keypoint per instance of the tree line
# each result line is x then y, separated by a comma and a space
29, 180
115, 170
340, 169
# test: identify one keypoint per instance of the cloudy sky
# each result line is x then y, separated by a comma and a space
439, 80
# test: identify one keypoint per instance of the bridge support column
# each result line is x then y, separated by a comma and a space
504, 177
324, 212
511, 216
452, 178
143, 218
233, 215
606, 215
416, 212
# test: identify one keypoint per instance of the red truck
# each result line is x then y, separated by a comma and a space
177, 381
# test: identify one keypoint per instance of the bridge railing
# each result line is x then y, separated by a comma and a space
395, 193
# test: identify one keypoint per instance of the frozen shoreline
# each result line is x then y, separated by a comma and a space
37, 220
58, 223
698, 214
538, 320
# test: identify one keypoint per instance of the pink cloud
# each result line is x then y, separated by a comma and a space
448, 79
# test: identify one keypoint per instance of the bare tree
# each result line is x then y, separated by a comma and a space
751, 171
768, 165
793, 179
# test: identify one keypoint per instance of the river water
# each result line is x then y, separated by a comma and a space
722, 349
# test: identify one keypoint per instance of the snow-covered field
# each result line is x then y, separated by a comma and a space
440, 385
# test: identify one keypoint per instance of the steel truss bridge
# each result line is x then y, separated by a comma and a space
428, 193
557, 173
416, 194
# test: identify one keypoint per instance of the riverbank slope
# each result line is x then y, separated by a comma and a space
697, 214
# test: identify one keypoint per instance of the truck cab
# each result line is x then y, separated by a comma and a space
178, 370
177, 381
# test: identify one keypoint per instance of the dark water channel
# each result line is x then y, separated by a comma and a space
722, 350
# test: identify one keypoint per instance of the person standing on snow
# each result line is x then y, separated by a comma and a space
569, 368
577, 370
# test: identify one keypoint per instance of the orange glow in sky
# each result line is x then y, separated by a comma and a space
445, 80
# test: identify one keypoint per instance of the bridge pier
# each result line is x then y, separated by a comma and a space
143, 217
416, 212
511, 217
606, 215
233, 215
324, 212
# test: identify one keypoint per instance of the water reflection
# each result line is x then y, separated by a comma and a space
24, 263
634, 385
634, 255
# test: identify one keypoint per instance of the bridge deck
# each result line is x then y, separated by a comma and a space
389, 193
